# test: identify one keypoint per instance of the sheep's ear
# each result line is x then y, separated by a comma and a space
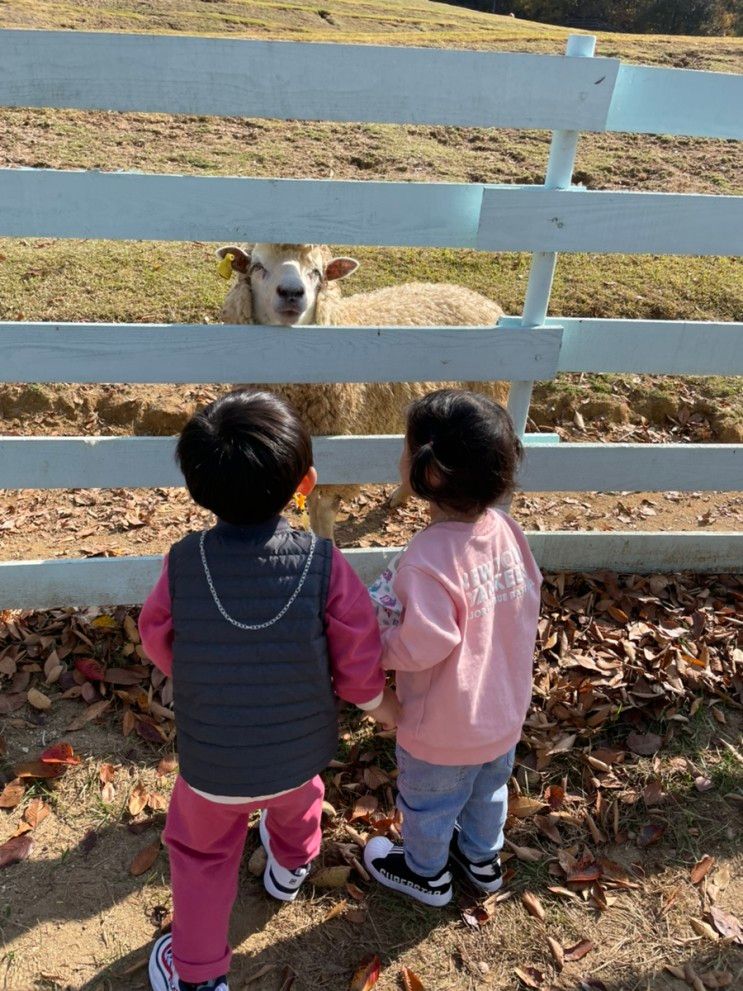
240, 258
339, 268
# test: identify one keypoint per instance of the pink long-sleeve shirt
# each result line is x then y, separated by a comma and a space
463, 650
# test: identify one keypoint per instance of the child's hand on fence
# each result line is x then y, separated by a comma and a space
388, 712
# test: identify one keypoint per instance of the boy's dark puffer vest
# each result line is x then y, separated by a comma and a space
255, 710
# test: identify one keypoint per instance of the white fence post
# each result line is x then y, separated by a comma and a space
559, 173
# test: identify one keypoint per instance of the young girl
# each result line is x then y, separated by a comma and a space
261, 627
459, 612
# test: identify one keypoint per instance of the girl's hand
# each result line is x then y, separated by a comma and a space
389, 710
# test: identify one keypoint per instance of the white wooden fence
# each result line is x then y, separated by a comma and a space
566, 94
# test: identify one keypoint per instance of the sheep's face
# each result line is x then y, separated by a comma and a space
286, 279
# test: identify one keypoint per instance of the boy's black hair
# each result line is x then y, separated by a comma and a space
463, 450
244, 455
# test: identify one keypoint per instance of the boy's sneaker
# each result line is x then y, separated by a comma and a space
279, 881
483, 874
163, 976
386, 862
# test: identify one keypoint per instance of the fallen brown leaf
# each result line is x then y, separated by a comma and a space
92, 712
702, 928
366, 974
702, 868
331, 877
60, 753
526, 853
651, 834
38, 769
644, 744
529, 976
167, 766
17, 848
338, 909
532, 905
578, 951
137, 799
106, 773
727, 925
35, 812
558, 954
257, 862
145, 859
411, 981
38, 700
12, 794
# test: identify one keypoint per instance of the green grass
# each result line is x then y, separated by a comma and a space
77, 280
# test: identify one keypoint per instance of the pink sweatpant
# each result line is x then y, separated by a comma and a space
205, 842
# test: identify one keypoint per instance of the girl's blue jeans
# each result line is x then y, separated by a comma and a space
434, 797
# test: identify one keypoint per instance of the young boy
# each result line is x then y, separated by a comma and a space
261, 627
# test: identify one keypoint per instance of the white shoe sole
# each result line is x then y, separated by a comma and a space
268, 882
432, 900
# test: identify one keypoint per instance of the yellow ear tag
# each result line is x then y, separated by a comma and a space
300, 501
225, 266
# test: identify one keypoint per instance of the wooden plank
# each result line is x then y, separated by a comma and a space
656, 100
640, 553
117, 462
49, 203
141, 462
533, 218
302, 81
124, 205
659, 347
128, 580
72, 352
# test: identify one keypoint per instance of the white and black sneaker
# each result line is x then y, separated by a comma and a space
163, 975
386, 862
483, 874
279, 881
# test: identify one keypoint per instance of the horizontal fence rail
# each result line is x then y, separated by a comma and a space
654, 347
51, 203
97, 352
128, 580
370, 83
121, 462
653, 100
533, 218
303, 81
69, 352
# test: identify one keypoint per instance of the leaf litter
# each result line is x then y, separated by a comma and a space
610, 691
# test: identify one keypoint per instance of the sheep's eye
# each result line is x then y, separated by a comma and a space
257, 269
316, 274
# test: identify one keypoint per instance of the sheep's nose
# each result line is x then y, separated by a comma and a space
290, 293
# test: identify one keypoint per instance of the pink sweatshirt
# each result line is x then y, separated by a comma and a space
464, 647
350, 627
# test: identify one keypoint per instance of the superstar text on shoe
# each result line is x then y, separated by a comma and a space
485, 874
386, 862
279, 882
163, 976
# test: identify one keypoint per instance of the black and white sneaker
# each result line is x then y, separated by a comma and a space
484, 874
386, 863
279, 881
163, 975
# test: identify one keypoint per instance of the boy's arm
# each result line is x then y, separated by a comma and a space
352, 633
156, 624
428, 631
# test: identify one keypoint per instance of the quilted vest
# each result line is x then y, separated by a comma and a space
255, 710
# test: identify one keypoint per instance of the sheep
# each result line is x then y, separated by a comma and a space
297, 284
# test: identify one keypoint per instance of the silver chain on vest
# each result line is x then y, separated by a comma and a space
282, 612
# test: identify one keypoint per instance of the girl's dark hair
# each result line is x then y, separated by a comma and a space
244, 456
464, 452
